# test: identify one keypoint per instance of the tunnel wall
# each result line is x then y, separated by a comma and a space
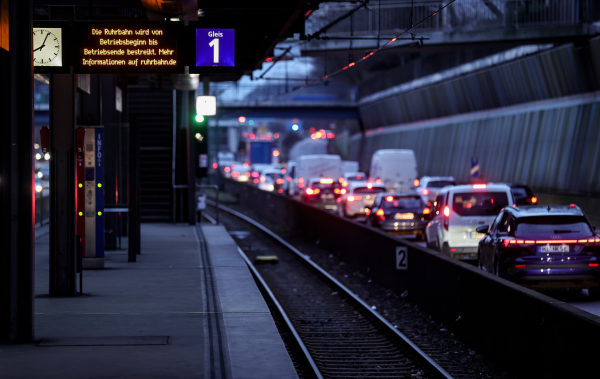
532, 334
552, 146
550, 74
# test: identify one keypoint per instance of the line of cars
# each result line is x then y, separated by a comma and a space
498, 225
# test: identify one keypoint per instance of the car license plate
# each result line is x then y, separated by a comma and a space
327, 196
554, 249
476, 235
369, 201
404, 216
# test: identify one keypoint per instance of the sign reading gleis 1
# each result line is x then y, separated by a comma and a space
215, 47
147, 47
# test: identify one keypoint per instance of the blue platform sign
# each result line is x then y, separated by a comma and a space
215, 47
474, 167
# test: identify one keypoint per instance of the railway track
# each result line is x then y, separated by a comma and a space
338, 334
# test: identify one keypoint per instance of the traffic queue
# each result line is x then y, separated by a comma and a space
498, 226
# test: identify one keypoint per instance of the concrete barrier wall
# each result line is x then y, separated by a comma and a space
533, 334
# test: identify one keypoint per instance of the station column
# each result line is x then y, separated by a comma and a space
17, 207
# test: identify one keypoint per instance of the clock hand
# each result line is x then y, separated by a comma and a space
44, 43
39, 48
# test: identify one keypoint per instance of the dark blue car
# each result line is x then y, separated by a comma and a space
543, 247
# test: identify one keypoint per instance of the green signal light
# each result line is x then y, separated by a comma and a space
199, 118
81, 213
99, 185
99, 213
80, 185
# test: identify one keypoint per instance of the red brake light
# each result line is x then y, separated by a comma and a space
368, 211
337, 191
289, 178
280, 181
416, 182
479, 186
345, 184
255, 174
447, 211
571, 205
350, 198
425, 192
343, 191
254, 181
534, 200
593, 264
378, 181
520, 266
215, 165
263, 179
453, 249
426, 211
341, 179
506, 242
369, 185
283, 170
309, 191
326, 181
389, 198
227, 169
380, 214
235, 174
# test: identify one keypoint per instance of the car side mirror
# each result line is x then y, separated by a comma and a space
482, 229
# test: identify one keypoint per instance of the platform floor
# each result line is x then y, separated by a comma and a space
185, 309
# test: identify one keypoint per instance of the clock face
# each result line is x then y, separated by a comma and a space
47, 49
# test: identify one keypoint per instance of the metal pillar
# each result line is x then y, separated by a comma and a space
17, 207
63, 246
192, 160
134, 247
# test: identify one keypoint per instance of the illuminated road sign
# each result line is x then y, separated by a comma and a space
215, 47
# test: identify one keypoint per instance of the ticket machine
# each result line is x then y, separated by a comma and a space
90, 198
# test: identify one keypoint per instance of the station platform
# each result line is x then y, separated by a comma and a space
188, 308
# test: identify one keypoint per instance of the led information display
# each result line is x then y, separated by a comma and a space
215, 47
126, 47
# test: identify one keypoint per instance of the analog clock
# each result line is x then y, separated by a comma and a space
47, 47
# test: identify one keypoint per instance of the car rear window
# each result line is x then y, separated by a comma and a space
355, 178
566, 226
479, 203
402, 202
440, 183
519, 192
365, 190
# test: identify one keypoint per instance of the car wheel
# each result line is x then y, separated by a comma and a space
594, 293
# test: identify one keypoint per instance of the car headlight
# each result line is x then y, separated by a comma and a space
38, 188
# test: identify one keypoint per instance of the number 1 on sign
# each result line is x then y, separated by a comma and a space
215, 45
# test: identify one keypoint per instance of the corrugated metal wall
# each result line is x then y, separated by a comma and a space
553, 146
551, 74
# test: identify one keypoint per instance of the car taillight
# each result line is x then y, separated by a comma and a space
389, 198
416, 182
312, 191
380, 214
446, 217
263, 179
254, 181
280, 181
378, 181
255, 174
352, 198
345, 184
226, 169
283, 170
337, 191
425, 192
369, 185
518, 242
289, 178
343, 191
326, 181
341, 179
479, 186
300, 180
247, 174
533, 200
235, 174
368, 211
426, 211
429, 203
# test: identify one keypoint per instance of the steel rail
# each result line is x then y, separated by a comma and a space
422, 356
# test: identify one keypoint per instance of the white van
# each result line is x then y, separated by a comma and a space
396, 169
349, 166
458, 211
315, 166
290, 174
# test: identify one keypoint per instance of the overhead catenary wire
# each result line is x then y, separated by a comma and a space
327, 77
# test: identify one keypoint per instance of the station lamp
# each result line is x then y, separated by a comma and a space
295, 127
242, 120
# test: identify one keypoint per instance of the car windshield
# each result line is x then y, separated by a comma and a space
366, 191
440, 183
402, 202
566, 226
479, 203
273, 175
